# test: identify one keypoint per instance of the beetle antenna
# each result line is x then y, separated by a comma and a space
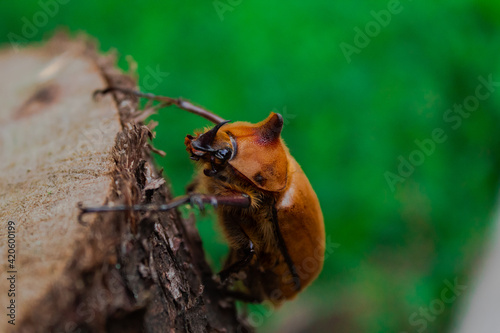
165, 101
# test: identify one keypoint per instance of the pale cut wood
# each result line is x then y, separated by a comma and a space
55, 150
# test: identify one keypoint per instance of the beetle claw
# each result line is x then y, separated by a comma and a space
197, 200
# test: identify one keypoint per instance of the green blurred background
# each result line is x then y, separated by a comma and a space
354, 104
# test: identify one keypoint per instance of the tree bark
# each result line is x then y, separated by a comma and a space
119, 272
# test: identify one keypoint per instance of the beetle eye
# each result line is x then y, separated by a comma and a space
223, 154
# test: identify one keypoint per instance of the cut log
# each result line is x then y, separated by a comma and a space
119, 272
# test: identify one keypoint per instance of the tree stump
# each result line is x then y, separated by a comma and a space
119, 272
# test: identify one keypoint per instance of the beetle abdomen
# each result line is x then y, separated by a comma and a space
301, 224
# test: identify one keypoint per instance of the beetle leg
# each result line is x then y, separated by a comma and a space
239, 265
166, 101
199, 200
241, 200
241, 296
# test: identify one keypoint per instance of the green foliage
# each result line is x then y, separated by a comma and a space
348, 121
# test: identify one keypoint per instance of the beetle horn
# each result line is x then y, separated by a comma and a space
270, 128
205, 140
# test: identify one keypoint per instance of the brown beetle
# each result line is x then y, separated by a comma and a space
268, 211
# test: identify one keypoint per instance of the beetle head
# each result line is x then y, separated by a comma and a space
256, 151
